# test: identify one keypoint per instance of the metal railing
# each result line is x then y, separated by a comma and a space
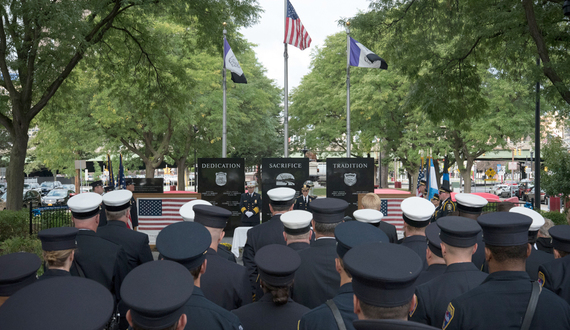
49, 217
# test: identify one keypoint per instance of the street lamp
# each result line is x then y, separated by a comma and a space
195, 159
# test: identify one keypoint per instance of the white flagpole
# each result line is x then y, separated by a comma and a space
347, 89
286, 99
224, 125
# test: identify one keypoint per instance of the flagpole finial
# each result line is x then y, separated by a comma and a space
224, 23
347, 23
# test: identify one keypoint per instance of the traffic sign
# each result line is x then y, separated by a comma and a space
490, 172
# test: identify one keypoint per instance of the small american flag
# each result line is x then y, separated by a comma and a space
156, 213
390, 208
295, 33
421, 176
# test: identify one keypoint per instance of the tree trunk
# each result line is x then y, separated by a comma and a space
181, 165
149, 170
412, 179
14, 172
384, 170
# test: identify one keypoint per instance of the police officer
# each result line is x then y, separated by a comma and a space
17, 270
136, 245
458, 243
554, 274
417, 213
58, 303
297, 229
229, 292
99, 189
536, 257
471, 206
277, 265
434, 256
249, 205
302, 202
187, 243
58, 245
270, 232
155, 294
502, 300
130, 186
373, 202
348, 235
446, 205
317, 280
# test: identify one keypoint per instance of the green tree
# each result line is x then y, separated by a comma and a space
557, 162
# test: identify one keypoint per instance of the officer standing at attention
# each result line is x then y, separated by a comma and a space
187, 243
270, 232
277, 265
446, 205
502, 300
99, 189
554, 275
228, 291
249, 205
373, 202
130, 186
434, 256
302, 202
58, 245
17, 270
348, 235
118, 207
471, 206
458, 243
297, 229
417, 213
317, 280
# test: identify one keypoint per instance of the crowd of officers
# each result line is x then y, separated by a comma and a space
305, 268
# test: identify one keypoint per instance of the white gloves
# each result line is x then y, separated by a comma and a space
249, 214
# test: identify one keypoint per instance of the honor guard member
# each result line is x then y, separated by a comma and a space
544, 240
554, 275
348, 235
471, 206
302, 202
118, 207
434, 256
458, 243
187, 213
506, 298
373, 202
423, 193
17, 270
446, 205
249, 205
417, 213
297, 229
536, 257
270, 232
229, 292
59, 303
99, 189
317, 280
435, 200
187, 243
130, 185
277, 265
383, 277
58, 245
155, 294
96, 258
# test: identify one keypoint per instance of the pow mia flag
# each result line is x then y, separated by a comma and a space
231, 63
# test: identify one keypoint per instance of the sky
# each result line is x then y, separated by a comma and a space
320, 20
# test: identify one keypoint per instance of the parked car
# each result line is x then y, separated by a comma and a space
29, 196
48, 186
529, 196
500, 190
524, 187
69, 187
56, 197
33, 186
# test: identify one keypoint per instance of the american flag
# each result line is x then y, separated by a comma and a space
295, 33
390, 208
157, 213
421, 176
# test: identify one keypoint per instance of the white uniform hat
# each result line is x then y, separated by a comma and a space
117, 200
296, 222
252, 184
85, 205
417, 211
537, 219
368, 215
281, 195
470, 203
186, 211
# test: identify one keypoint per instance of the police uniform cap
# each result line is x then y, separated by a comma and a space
328, 210
60, 238
59, 303
187, 212
296, 222
184, 242
445, 186
156, 292
433, 240
537, 219
422, 182
353, 233
368, 215
129, 181
435, 197
505, 228
277, 264
109, 189
118, 200
383, 274
307, 185
252, 184
470, 203
389, 325
458, 231
211, 216
17, 270
560, 237
281, 196
97, 183
85, 205
417, 211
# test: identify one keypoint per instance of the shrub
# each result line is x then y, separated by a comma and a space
14, 224
22, 244
556, 217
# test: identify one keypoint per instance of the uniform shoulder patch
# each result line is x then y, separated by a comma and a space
541, 279
413, 310
449, 207
448, 315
